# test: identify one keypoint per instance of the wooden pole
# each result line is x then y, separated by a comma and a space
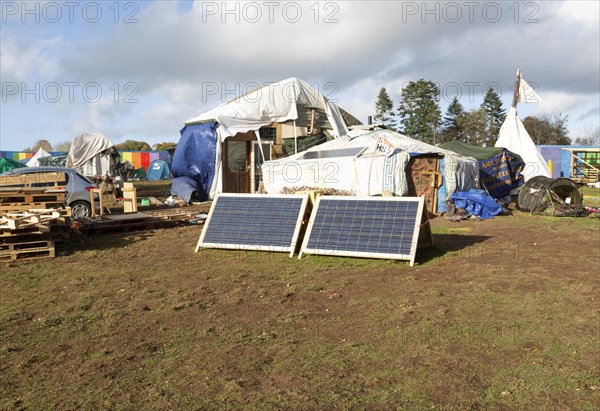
517, 85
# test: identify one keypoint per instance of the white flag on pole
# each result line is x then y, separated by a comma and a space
527, 94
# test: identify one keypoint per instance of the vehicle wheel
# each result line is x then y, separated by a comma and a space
80, 209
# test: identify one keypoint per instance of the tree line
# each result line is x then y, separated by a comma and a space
419, 116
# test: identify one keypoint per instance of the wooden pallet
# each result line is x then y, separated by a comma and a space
117, 223
9, 207
39, 229
24, 236
31, 197
177, 215
137, 221
28, 218
123, 227
56, 232
32, 178
23, 249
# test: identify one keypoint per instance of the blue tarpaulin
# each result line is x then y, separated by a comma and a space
441, 205
501, 174
193, 166
476, 202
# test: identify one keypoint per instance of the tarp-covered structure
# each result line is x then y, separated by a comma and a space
93, 155
499, 169
7, 164
369, 162
159, 170
198, 160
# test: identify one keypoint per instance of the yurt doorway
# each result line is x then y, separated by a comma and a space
236, 166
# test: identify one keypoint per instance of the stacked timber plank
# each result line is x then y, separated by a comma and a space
31, 220
179, 216
116, 223
139, 221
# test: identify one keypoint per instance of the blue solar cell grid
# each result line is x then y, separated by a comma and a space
253, 221
340, 152
364, 227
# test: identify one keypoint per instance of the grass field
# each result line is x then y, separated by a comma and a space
591, 196
500, 314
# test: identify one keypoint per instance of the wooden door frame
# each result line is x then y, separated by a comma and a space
226, 163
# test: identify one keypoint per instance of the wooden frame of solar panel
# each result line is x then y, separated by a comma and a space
274, 221
358, 227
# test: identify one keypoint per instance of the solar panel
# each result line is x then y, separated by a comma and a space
254, 222
340, 152
374, 227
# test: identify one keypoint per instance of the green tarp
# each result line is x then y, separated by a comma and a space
6, 164
499, 169
466, 149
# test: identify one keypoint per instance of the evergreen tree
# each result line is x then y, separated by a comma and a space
383, 109
494, 116
451, 130
419, 111
473, 125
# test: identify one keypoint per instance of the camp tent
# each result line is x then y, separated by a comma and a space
93, 155
159, 170
222, 150
499, 169
551, 196
514, 137
6, 164
370, 162
35, 160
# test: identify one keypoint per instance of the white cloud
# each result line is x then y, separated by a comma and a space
178, 57
583, 12
562, 102
23, 60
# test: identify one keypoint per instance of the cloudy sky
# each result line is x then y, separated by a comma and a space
139, 70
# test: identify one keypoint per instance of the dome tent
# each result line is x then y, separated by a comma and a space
558, 197
159, 170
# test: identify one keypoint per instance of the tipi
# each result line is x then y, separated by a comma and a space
515, 138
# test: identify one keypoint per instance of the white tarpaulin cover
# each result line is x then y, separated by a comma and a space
87, 154
275, 103
515, 138
33, 161
380, 167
